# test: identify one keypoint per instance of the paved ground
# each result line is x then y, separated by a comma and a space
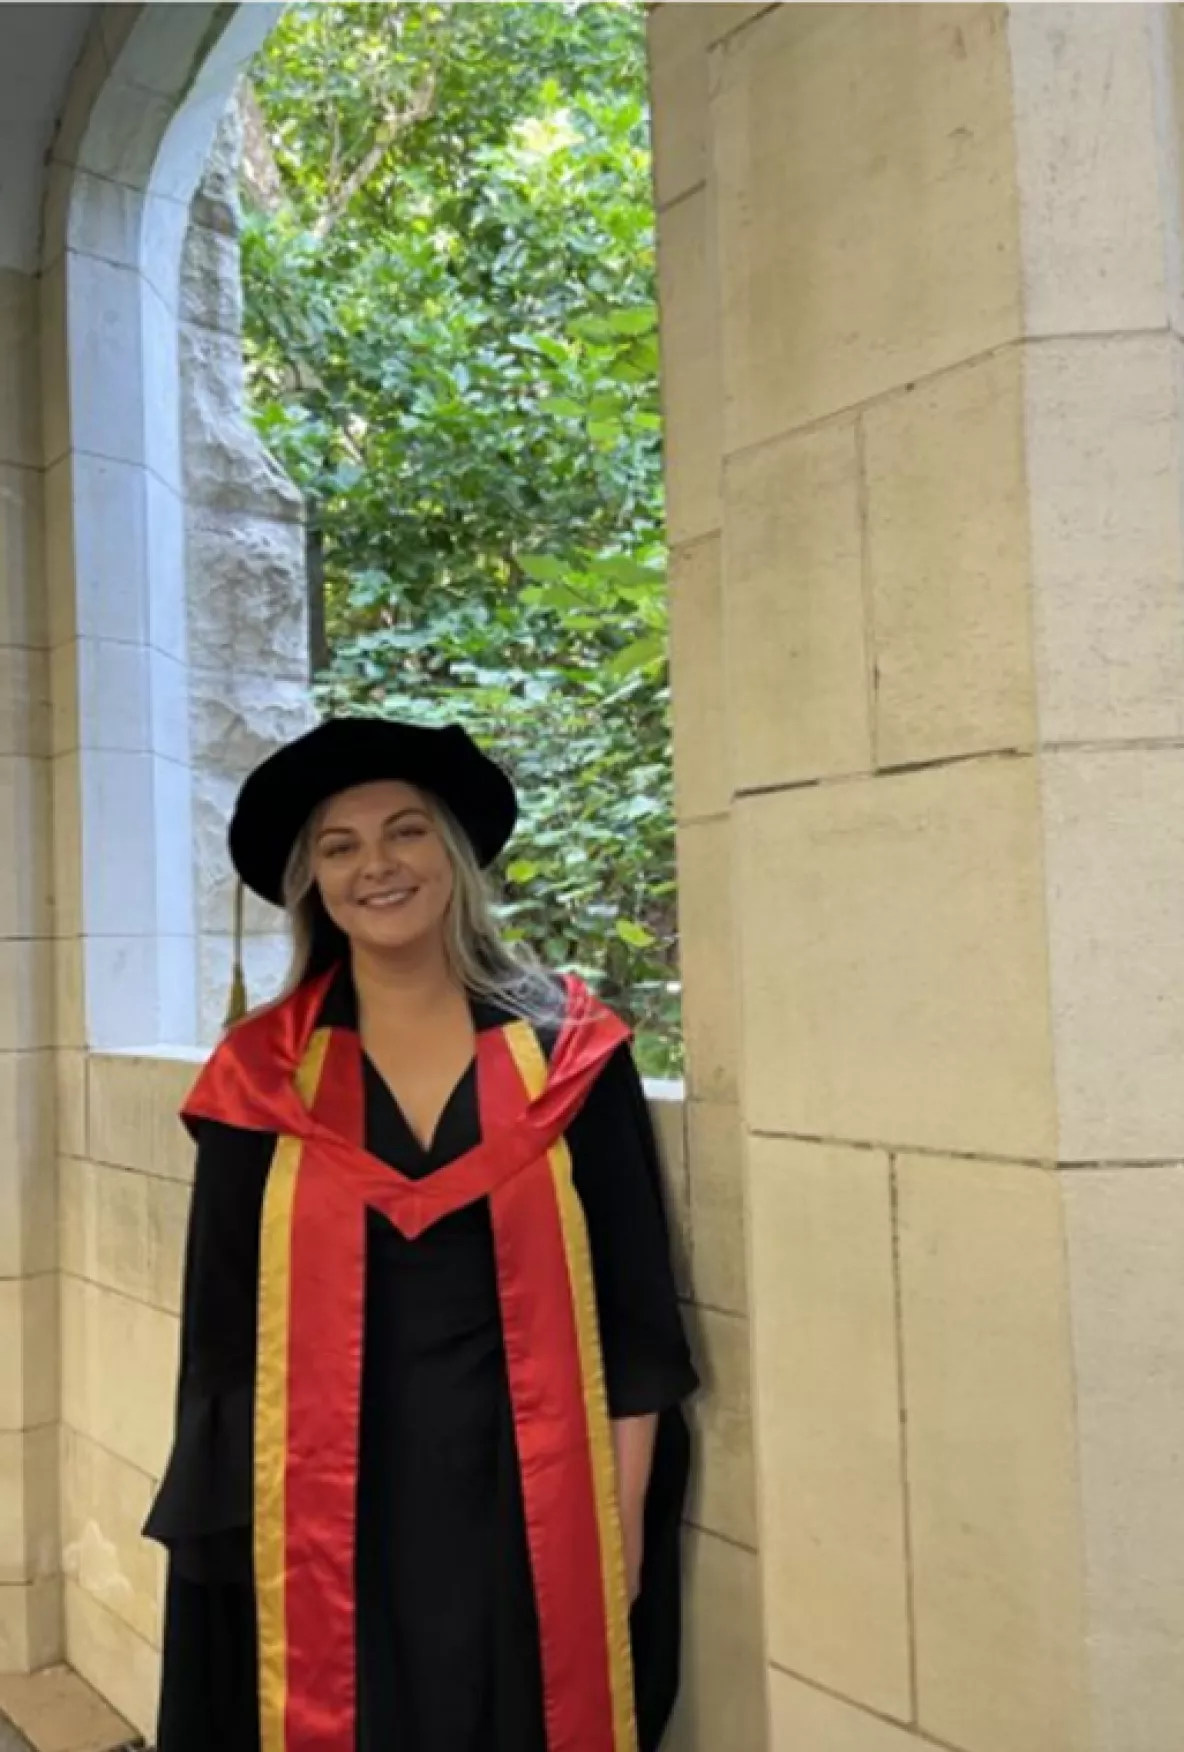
55, 1708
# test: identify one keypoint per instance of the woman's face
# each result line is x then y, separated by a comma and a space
381, 866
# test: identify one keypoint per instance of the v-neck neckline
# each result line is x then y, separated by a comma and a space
424, 1153
339, 1009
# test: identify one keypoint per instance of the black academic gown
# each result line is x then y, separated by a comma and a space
448, 1646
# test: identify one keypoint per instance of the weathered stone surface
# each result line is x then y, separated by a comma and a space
246, 594
266, 961
105, 1502
132, 1105
804, 1719
124, 1230
702, 764
214, 792
723, 1493
799, 671
20, 426
895, 974
722, 1700
828, 1401
127, 1411
1123, 1231
247, 610
26, 996
868, 231
28, 1185
25, 889
994, 1494
24, 610
29, 1533
216, 203
1102, 419
243, 717
678, 39
211, 284
949, 563
122, 1666
29, 1355
1094, 163
708, 938
30, 1625
691, 383
1114, 823
56, 1711
24, 701
716, 1187
226, 466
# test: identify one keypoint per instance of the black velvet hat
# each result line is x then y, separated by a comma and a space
280, 795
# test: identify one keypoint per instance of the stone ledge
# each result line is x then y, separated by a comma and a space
56, 1711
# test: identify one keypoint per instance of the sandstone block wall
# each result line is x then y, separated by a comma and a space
30, 1585
723, 1699
921, 324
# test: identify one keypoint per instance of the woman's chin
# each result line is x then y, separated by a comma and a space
387, 931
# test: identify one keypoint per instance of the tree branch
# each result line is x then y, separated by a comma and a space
394, 123
261, 173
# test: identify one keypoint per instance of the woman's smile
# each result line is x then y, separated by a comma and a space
390, 897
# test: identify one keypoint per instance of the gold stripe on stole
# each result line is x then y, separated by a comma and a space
271, 1411
532, 1066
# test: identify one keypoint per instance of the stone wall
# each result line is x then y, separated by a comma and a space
922, 321
125, 1168
30, 1631
723, 1695
921, 298
245, 583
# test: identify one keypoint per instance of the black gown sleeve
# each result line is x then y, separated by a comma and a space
202, 1511
617, 1173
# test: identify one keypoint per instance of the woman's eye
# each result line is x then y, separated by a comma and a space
335, 850
410, 833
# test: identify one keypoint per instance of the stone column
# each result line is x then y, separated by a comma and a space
722, 1700
30, 1583
245, 583
947, 782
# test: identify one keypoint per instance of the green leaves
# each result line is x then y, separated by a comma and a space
455, 355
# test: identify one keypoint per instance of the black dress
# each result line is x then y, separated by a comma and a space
448, 1645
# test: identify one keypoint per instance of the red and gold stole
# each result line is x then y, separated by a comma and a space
282, 1072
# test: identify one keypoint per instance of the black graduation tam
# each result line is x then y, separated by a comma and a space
280, 795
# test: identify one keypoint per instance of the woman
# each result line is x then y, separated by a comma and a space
429, 1463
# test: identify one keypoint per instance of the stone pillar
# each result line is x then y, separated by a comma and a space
723, 1687
931, 721
245, 583
30, 1584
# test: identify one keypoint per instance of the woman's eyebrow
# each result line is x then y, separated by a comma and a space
411, 809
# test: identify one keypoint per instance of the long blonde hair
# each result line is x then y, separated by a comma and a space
488, 968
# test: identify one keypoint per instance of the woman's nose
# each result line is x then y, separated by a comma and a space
379, 860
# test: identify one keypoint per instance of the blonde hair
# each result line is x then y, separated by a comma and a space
486, 966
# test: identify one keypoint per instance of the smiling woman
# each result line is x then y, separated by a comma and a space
375, 851
429, 1464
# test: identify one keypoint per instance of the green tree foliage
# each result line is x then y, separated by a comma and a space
451, 334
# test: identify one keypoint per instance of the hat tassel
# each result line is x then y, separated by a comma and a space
236, 1007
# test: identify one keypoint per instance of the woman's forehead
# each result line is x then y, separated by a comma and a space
378, 798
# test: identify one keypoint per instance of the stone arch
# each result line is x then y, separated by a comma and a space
142, 110
143, 105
